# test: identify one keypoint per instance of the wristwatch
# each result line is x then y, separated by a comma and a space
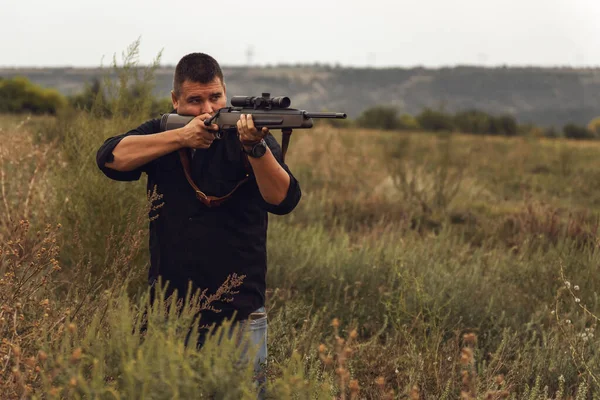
258, 150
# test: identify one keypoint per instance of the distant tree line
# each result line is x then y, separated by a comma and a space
469, 121
19, 95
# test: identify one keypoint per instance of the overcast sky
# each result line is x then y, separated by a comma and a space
358, 33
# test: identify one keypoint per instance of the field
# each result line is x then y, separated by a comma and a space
416, 266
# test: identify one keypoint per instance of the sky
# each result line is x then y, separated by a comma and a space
365, 33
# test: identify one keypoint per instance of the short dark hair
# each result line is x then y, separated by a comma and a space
196, 67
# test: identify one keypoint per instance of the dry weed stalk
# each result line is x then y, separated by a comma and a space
577, 355
469, 378
3, 187
200, 301
27, 267
339, 361
24, 164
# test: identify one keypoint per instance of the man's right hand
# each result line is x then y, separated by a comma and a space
196, 135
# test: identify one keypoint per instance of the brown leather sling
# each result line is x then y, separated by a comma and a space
214, 201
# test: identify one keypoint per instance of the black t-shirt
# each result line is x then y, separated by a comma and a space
192, 242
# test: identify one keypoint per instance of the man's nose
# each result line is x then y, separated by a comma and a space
207, 107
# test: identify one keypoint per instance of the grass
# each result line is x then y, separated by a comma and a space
416, 266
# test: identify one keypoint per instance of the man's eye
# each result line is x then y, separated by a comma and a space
215, 98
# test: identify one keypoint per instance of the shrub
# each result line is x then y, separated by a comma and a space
503, 125
19, 95
551, 133
472, 121
432, 120
160, 106
573, 131
594, 126
94, 99
475, 121
408, 122
380, 117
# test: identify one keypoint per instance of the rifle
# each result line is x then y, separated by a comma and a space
266, 111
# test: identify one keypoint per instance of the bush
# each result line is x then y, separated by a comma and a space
408, 122
380, 117
475, 121
551, 133
503, 125
594, 126
160, 106
94, 99
573, 131
472, 121
432, 120
19, 95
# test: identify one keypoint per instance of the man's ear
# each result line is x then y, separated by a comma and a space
174, 99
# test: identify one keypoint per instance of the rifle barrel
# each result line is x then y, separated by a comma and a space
325, 115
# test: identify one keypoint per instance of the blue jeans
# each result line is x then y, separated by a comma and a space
257, 330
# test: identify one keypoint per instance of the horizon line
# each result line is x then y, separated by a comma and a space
324, 65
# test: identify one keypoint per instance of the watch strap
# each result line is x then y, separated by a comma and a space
250, 152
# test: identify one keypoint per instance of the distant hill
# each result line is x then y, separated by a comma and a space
544, 96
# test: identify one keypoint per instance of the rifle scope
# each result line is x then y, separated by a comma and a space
264, 101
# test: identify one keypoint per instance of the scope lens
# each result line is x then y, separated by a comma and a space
281, 102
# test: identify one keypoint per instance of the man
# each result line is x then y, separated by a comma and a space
189, 241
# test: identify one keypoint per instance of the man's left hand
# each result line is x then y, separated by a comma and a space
248, 133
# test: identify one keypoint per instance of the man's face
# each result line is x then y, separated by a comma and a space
200, 98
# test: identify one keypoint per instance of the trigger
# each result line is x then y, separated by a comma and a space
216, 133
